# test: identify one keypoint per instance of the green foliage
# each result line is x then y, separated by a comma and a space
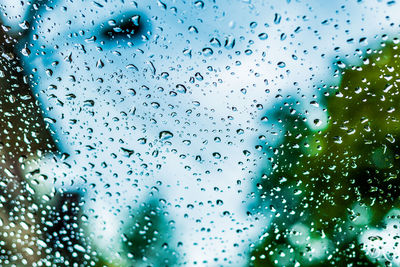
328, 186
146, 237
23, 135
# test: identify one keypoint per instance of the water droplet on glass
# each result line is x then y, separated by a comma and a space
165, 135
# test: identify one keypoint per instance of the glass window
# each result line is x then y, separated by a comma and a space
199, 132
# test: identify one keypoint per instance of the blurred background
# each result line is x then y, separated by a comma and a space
167, 133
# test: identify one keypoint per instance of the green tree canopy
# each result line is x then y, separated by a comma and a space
321, 179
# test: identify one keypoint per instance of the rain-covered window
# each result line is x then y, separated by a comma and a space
199, 133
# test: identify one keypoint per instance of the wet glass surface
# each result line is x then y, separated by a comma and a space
209, 133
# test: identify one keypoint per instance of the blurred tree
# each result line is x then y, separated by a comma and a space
328, 186
146, 237
33, 230
23, 135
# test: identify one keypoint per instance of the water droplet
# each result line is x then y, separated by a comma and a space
263, 36
229, 42
181, 88
277, 18
99, 64
207, 51
216, 155
199, 4
165, 135
131, 67
281, 64
215, 42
